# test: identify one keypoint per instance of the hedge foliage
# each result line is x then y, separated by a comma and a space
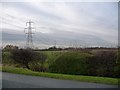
102, 63
99, 63
70, 63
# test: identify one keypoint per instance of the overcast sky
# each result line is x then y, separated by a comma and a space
64, 23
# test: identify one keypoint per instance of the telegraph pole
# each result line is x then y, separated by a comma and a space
28, 32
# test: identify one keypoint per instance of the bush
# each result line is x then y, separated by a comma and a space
6, 57
25, 56
99, 63
38, 66
103, 63
7, 60
70, 63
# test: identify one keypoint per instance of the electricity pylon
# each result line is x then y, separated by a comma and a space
29, 41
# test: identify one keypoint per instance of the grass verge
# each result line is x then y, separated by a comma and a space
93, 79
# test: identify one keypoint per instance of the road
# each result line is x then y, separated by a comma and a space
23, 81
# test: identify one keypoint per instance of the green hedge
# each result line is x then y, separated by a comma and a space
70, 63
102, 63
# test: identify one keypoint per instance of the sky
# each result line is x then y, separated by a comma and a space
64, 24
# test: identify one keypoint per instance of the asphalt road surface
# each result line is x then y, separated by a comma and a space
23, 81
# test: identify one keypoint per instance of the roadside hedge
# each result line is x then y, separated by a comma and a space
70, 63
102, 63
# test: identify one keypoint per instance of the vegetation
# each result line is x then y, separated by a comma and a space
103, 63
103, 80
70, 63
10, 47
7, 60
25, 56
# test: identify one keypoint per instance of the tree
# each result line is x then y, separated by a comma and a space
10, 47
24, 56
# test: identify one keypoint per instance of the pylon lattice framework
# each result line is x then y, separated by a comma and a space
29, 41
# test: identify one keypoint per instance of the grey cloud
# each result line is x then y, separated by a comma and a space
91, 26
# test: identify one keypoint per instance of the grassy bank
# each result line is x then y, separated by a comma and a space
103, 80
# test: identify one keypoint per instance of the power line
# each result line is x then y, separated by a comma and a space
41, 40
29, 42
